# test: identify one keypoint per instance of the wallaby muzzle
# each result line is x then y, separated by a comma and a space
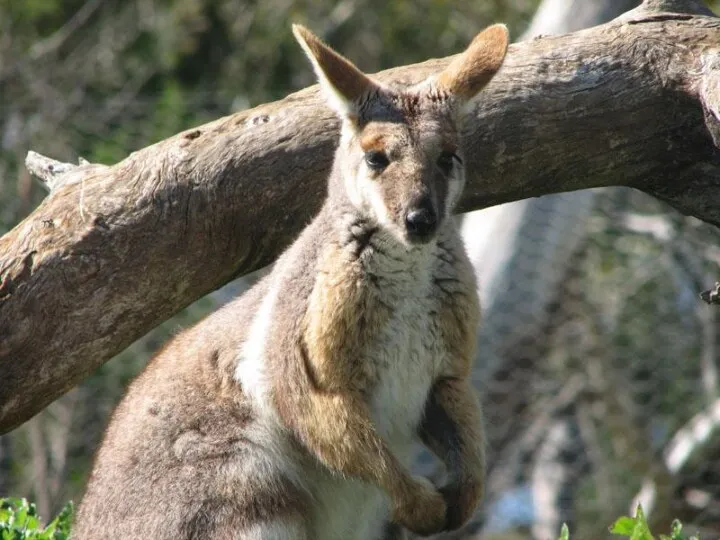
421, 221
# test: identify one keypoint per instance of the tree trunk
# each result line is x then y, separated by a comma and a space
115, 250
563, 16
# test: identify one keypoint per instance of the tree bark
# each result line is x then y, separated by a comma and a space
113, 251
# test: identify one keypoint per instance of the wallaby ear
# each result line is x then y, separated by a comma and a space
470, 71
343, 83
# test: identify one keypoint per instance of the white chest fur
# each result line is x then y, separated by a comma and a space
406, 352
406, 358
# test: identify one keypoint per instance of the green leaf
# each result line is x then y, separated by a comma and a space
31, 522
564, 533
623, 525
59, 528
19, 521
641, 530
676, 532
636, 528
21, 516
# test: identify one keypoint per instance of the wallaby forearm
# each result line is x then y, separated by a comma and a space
337, 429
452, 429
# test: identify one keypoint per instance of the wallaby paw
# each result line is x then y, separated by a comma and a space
424, 510
461, 500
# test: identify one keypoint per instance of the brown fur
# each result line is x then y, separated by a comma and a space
343, 313
474, 68
345, 77
372, 142
247, 424
165, 468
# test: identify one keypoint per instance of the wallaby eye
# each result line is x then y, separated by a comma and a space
445, 161
376, 160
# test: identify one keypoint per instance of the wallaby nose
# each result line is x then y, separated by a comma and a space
421, 221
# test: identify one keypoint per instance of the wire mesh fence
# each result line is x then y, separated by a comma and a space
612, 400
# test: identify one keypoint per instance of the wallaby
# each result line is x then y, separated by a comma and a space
291, 413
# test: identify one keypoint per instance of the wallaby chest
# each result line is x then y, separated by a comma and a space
401, 353
405, 353
406, 356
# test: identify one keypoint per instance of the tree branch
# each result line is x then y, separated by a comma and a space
116, 250
53, 173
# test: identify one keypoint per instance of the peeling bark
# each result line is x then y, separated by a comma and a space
113, 251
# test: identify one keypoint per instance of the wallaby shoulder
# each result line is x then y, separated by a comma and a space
175, 454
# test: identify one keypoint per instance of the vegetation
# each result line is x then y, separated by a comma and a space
19, 520
637, 528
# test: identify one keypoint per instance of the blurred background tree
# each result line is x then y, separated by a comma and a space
101, 78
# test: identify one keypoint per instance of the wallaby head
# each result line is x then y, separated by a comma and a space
399, 163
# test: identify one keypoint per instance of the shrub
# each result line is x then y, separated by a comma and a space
636, 528
19, 520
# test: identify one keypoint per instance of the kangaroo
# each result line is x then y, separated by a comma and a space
291, 413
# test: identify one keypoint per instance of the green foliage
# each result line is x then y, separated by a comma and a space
676, 533
19, 520
637, 528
